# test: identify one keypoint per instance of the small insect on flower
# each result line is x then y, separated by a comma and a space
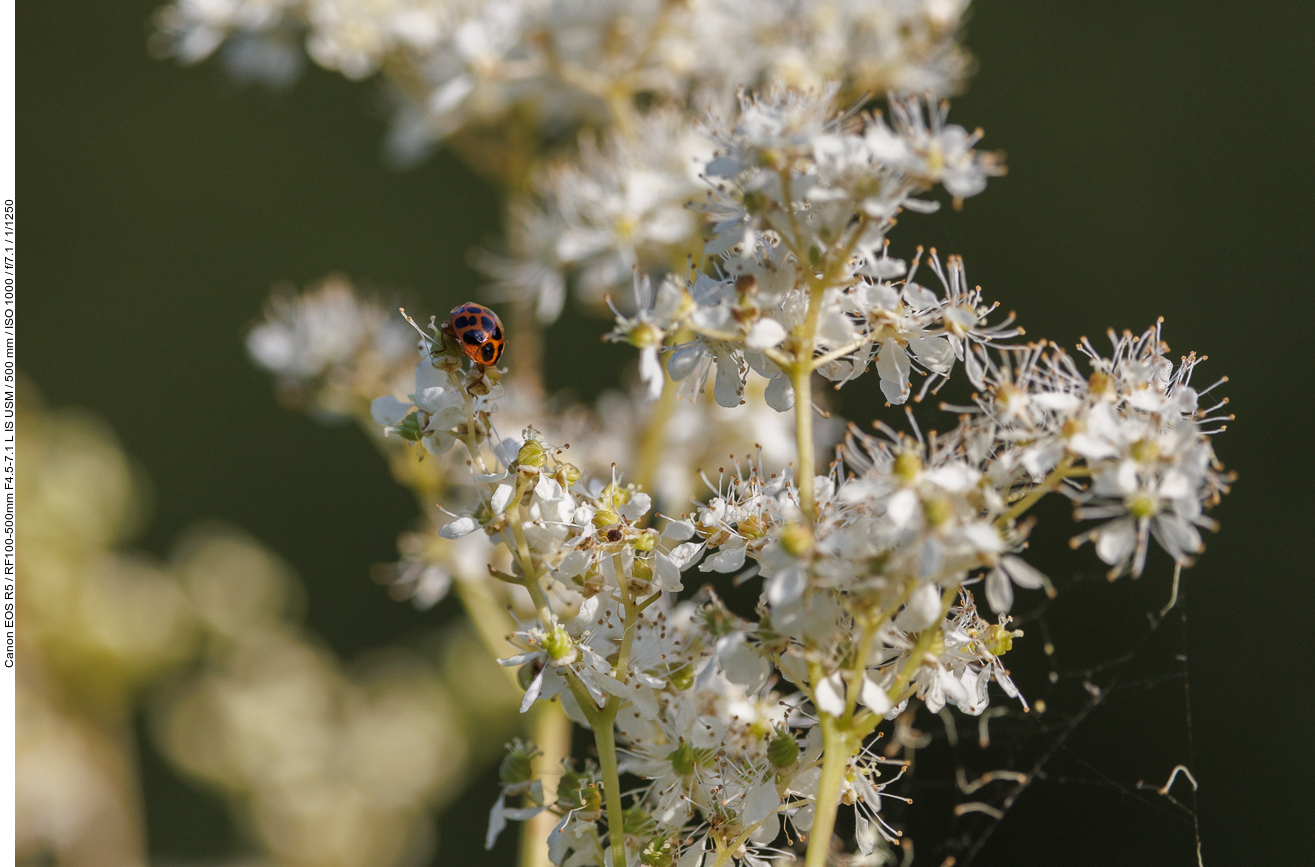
478, 331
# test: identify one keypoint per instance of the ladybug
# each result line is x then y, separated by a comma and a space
478, 331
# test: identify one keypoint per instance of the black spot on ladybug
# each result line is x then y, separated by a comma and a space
497, 334
461, 322
486, 322
489, 352
474, 338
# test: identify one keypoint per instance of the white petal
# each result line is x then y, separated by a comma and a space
922, 609
999, 592
766, 832
682, 361
548, 489
902, 507
668, 574
725, 560
458, 528
684, 554
830, 695
1116, 541
729, 386
650, 372
572, 565
786, 585
760, 803
389, 411
741, 664
766, 333
693, 856
1025, 575
678, 531
780, 393
497, 821
637, 507
532, 691
501, 497
872, 696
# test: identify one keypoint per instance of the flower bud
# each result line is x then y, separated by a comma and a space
907, 466
783, 749
409, 428
570, 474
646, 542
1145, 451
645, 335
682, 759
658, 853
796, 539
937, 510
558, 644
518, 765
1142, 505
532, 454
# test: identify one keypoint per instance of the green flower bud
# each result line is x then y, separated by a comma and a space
532, 454
658, 852
783, 749
937, 510
409, 429
683, 677
1142, 505
558, 644
1144, 451
647, 542
518, 765
797, 540
682, 759
907, 466
645, 335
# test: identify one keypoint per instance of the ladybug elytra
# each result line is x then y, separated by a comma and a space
478, 331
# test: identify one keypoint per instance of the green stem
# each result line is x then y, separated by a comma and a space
838, 747
801, 376
605, 739
655, 434
920, 649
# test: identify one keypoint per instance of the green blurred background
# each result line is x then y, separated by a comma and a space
1159, 162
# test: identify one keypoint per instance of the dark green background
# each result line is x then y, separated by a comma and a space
1160, 164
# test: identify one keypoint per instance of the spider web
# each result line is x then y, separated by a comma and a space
968, 774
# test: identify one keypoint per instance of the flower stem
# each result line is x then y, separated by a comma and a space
605, 740
801, 377
838, 747
655, 434
925, 640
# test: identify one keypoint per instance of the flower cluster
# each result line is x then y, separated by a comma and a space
460, 67
328, 349
737, 725
747, 196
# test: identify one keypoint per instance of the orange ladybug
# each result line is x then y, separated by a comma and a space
478, 331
